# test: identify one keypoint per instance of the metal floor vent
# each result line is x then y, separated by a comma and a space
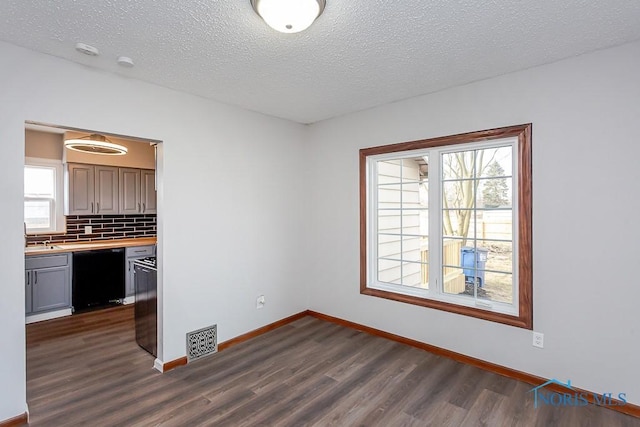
202, 342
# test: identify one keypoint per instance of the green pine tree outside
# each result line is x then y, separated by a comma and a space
496, 190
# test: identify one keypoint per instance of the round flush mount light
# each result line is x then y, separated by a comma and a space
289, 16
95, 144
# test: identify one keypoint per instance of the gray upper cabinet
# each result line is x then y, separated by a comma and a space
106, 190
91, 190
80, 190
47, 283
97, 190
137, 191
148, 191
130, 202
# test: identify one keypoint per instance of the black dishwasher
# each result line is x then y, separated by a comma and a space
98, 278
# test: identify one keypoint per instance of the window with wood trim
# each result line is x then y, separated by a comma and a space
446, 223
43, 200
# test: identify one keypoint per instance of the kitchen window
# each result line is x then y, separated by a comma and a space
446, 224
43, 203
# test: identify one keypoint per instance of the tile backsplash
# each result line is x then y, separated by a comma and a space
104, 227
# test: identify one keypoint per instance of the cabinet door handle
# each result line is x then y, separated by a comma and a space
35, 277
138, 207
144, 208
97, 207
28, 277
91, 207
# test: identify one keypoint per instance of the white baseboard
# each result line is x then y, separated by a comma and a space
129, 300
158, 365
48, 315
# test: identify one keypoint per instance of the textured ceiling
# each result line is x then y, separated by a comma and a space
357, 55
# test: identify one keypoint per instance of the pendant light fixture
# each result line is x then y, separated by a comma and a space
95, 144
289, 16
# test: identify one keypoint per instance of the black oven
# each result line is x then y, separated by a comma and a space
146, 305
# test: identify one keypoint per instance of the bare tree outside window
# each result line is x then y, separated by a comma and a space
461, 171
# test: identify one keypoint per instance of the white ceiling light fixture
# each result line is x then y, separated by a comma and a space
289, 16
95, 144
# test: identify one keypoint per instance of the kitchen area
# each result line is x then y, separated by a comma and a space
90, 226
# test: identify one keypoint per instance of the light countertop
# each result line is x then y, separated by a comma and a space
56, 248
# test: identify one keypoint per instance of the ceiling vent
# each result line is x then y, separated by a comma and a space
87, 50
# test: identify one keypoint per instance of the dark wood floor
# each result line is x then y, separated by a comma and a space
88, 370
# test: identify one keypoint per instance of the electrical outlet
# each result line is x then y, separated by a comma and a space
538, 339
88, 229
260, 302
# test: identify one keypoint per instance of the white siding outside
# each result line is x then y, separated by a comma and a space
398, 196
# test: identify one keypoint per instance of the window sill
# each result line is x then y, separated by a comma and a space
478, 313
45, 233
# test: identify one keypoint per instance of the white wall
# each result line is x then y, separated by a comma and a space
586, 223
230, 200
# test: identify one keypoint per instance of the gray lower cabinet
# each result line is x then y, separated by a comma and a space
132, 254
27, 293
48, 283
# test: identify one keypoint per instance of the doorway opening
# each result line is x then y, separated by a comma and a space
90, 220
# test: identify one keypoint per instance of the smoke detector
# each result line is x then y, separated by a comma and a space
87, 49
125, 61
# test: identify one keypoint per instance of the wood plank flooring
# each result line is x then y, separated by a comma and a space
88, 370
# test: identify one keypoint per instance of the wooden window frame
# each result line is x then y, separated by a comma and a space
524, 318
56, 203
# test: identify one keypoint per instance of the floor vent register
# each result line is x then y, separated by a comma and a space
202, 342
